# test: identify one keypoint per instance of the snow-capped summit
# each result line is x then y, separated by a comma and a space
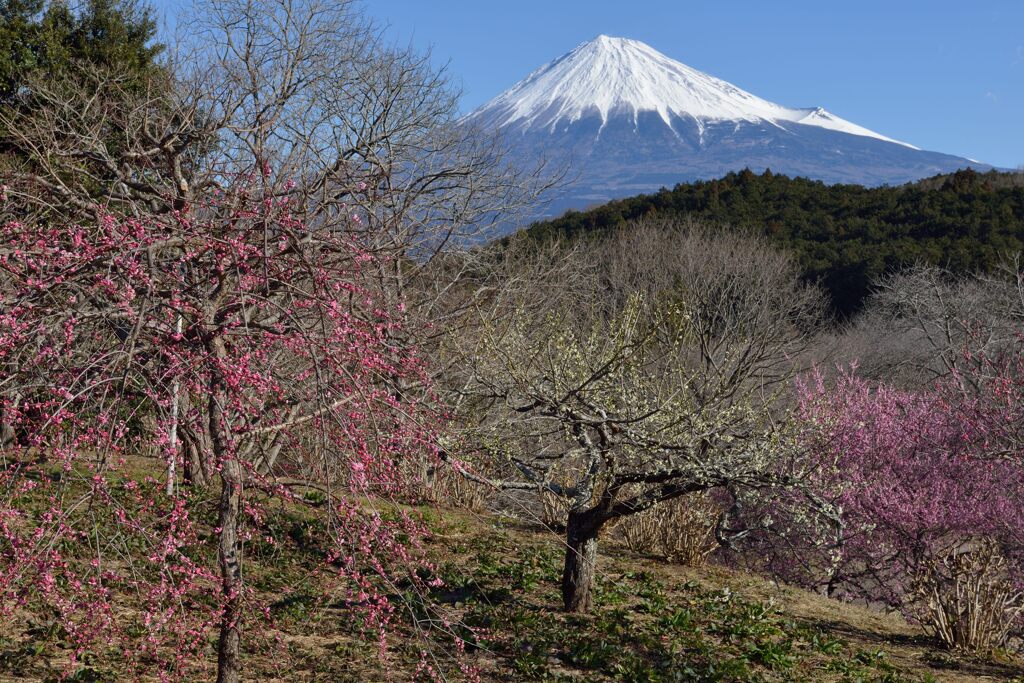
627, 119
610, 76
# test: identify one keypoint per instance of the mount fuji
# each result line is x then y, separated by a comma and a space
626, 119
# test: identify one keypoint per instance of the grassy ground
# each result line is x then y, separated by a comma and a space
653, 622
658, 622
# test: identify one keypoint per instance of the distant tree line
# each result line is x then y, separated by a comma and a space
844, 236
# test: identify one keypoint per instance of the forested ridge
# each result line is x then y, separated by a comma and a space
843, 235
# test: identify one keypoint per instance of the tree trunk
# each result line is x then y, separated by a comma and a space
229, 508
582, 531
7, 431
228, 646
196, 470
172, 437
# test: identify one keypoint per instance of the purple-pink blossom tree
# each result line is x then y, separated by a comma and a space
924, 483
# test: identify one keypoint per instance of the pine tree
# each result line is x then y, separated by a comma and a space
46, 38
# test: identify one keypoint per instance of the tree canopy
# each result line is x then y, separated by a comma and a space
845, 236
39, 36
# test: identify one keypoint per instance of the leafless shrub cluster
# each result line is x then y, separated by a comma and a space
427, 482
680, 530
967, 598
919, 322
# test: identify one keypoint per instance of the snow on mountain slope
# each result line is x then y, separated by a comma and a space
611, 76
620, 118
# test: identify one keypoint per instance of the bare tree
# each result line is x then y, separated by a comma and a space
655, 379
305, 95
918, 323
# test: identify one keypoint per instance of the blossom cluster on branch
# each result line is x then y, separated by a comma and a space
238, 346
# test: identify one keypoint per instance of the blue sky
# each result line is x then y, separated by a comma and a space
942, 75
939, 74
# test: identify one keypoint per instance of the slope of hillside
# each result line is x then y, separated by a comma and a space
660, 622
844, 235
500, 595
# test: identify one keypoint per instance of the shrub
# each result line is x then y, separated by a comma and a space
680, 530
928, 485
968, 598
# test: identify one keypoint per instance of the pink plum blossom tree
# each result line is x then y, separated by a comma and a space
246, 331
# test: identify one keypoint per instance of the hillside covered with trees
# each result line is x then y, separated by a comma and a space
843, 235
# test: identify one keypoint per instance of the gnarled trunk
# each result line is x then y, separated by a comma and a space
581, 535
229, 510
198, 467
228, 646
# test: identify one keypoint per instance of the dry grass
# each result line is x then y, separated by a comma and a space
504, 577
907, 646
437, 484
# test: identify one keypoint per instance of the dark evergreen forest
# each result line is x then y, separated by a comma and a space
845, 236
